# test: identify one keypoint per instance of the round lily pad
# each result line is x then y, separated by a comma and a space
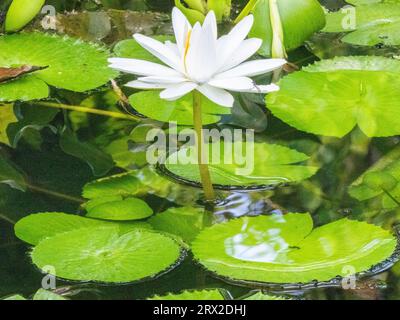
284, 249
69, 64
264, 165
103, 255
207, 294
36, 227
121, 210
368, 25
332, 97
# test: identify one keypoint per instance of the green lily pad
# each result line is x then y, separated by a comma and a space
121, 210
380, 182
179, 111
199, 295
185, 222
36, 227
262, 296
98, 201
65, 58
273, 164
300, 20
361, 2
332, 97
130, 48
42, 294
15, 297
285, 249
102, 254
374, 24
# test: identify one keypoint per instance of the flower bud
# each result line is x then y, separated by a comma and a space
21, 12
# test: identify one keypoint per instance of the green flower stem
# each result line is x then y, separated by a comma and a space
203, 163
105, 113
245, 12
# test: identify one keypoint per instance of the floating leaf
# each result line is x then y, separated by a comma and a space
361, 2
130, 48
15, 297
42, 294
98, 201
7, 117
102, 254
200, 295
282, 249
332, 97
261, 296
65, 58
372, 24
273, 164
381, 181
180, 111
185, 222
36, 227
121, 210
300, 20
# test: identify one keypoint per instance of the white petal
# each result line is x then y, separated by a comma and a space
218, 96
228, 44
211, 22
263, 88
177, 91
143, 85
246, 50
141, 67
163, 80
159, 50
181, 27
241, 84
201, 60
253, 68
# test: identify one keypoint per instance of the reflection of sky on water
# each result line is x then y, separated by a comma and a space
258, 245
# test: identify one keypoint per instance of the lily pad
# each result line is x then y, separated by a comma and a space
103, 255
42, 294
361, 2
15, 297
179, 111
262, 296
121, 210
36, 227
380, 182
200, 295
185, 222
64, 57
285, 249
331, 97
273, 164
374, 23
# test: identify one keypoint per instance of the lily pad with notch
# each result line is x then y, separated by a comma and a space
332, 97
273, 165
102, 254
374, 23
61, 58
285, 249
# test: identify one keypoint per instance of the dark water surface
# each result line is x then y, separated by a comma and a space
57, 179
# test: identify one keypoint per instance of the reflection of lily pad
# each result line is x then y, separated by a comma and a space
210, 294
273, 165
65, 57
285, 249
373, 24
36, 227
332, 97
102, 254
184, 222
381, 182
121, 210
180, 111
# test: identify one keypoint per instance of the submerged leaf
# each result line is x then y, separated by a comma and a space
36, 227
11, 176
102, 254
332, 97
251, 165
283, 249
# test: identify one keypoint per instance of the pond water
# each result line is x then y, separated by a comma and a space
56, 178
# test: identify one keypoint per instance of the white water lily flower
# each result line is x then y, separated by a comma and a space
200, 61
